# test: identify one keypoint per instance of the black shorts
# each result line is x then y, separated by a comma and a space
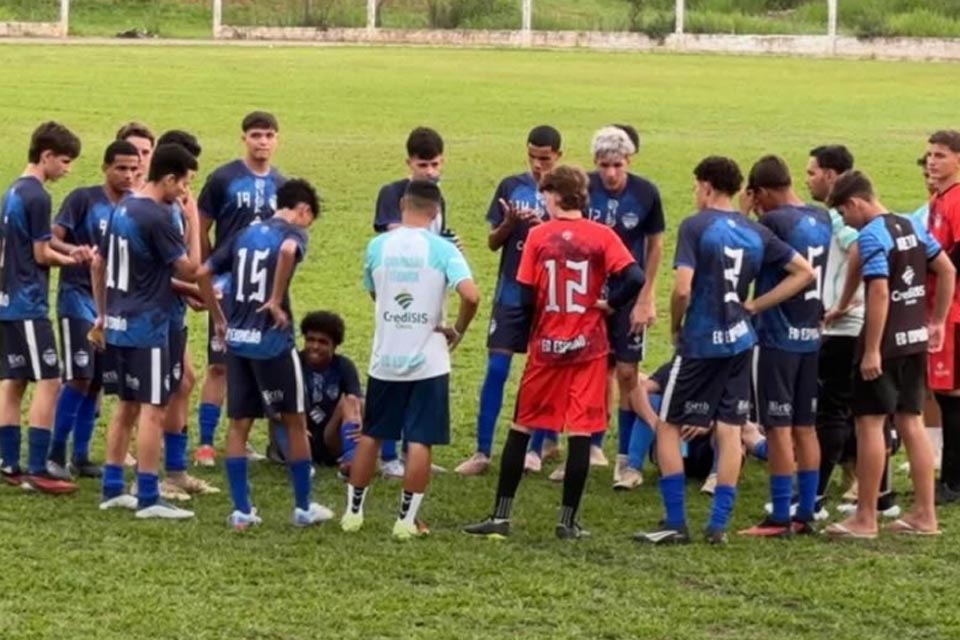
178, 350
273, 386
416, 410
835, 374
108, 371
901, 388
216, 348
29, 350
80, 360
624, 346
509, 329
700, 391
143, 374
784, 387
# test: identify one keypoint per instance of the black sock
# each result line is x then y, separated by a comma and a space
886, 480
574, 477
511, 472
950, 456
832, 440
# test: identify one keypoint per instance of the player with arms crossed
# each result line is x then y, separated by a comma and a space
516, 207
564, 266
719, 254
408, 272
139, 255
235, 195
892, 351
785, 359
29, 347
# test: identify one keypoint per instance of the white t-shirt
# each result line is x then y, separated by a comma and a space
410, 271
835, 277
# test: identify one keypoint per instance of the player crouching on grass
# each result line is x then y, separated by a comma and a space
408, 271
563, 268
264, 374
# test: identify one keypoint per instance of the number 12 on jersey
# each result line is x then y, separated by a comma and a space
577, 286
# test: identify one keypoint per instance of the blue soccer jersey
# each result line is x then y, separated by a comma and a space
520, 191
84, 217
794, 325
894, 248
234, 197
635, 213
24, 284
178, 313
326, 386
251, 259
726, 252
388, 208
141, 245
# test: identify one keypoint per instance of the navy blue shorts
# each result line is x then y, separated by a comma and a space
108, 371
509, 329
700, 391
785, 387
28, 350
178, 351
273, 386
143, 374
624, 346
80, 360
416, 410
216, 348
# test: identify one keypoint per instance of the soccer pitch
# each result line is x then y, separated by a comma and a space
70, 570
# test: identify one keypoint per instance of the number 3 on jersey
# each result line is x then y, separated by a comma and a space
573, 287
252, 284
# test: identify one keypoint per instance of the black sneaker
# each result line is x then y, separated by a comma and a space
12, 475
715, 536
769, 528
664, 535
575, 532
490, 527
946, 495
802, 528
84, 468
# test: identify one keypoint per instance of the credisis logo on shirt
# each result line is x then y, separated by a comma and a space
403, 299
407, 318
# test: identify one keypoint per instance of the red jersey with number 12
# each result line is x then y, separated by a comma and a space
567, 263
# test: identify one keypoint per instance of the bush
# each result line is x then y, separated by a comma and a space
457, 14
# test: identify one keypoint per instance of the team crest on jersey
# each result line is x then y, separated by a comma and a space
567, 235
50, 357
81, 358
333, 391
630, 220
132, 382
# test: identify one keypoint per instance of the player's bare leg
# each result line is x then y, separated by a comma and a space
923, 517
871, 458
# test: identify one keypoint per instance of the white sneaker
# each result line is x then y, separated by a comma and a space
316, 514
709, 486
475, 465
532, 463
558, 474
630, 479
253, 455
164, 511
58, 471
240, 521
393, 469
619, 465
122, 501
597, 457
849, 508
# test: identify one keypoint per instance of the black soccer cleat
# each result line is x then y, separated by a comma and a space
664, 535
715, 536
84, 468
491, 528
574, 532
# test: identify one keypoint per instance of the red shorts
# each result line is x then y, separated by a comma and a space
570, 398
942, 366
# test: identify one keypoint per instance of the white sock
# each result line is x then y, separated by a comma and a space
355, 499
936, 438
411, 502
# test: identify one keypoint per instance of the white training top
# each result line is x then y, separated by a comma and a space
835, 277
409, 270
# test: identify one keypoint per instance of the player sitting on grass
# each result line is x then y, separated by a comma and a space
334, 395
263, 366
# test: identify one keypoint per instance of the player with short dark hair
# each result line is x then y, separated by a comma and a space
785, 359
141, 137
517, 206
82, 222
263, 367
139, 255
408, 272
719, 254
563, 269
892, 351
234, 196
29, 347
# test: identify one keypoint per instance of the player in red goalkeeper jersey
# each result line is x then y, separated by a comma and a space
564, 266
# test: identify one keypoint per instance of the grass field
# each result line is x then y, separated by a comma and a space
72, 571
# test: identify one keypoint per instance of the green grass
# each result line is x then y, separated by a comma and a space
70, 570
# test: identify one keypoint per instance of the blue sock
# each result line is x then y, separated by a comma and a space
175, 452
596, 440
723, 499
536, 441
10, 446
68, 404
38, 441
760, 451
625, 420
641, 438
388, 451
239, 485
781, 490
673, 492
148, 490
283, 442
208, 416
113, 483
807, 482
491, 400
83, 429
348, 446
300, 479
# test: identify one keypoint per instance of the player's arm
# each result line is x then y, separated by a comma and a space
206, 224
469, 303
644, 311
503, 218
680, 298
58, 242
208, 294
45, 255
624, 285
640, 403
191, 216
875, 320
98, 282
946, 283
799, 276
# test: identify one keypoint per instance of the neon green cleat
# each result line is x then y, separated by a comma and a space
351, 522
404, 531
